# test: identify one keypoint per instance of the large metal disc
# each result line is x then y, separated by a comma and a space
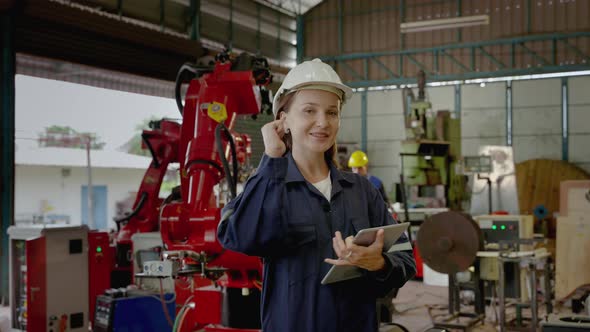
449, 241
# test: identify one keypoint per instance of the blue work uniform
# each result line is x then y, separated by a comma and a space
284, 219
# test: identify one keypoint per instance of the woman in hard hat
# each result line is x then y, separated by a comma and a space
299, 212
358, 163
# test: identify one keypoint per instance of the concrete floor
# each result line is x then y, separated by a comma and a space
415, 298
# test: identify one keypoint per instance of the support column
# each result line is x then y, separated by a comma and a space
8, 67
509, 113
300, 34
564, 120
458, 101
196, 19
364, 120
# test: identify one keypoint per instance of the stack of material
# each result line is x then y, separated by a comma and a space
573, 237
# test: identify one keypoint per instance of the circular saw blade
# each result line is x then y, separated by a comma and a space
449, 241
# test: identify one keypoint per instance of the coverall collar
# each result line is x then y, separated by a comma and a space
338, 177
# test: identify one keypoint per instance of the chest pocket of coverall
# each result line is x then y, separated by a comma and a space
303, 248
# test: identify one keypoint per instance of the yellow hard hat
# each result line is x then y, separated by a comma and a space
358, 159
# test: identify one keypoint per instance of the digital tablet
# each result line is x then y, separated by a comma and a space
365, 237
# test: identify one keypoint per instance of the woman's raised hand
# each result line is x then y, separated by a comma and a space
272, 135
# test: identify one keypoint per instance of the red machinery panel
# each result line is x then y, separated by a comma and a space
100, 263
36, 314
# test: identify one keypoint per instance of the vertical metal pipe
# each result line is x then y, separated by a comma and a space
501, 299
279, 36
7, 124
564, 120
402, 40
459, 14
340, 27
458, 101
90, 190
364, 120
300, 35
534, 310
231, 24
509, 113
258, 28
196, 19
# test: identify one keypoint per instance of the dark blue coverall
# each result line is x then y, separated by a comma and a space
285, 220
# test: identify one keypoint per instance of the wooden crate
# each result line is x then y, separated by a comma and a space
572, 264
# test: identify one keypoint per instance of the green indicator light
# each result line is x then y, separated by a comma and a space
494, 227
503, 227
98, 249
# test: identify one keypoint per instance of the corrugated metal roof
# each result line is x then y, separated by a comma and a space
294, 6
67, 157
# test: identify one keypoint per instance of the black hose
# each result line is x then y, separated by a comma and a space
181, 78
232, 179
135, 211
144, 137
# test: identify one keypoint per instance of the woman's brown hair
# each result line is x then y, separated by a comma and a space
284, 106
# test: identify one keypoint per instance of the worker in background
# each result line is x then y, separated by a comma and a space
299, 212
358, 163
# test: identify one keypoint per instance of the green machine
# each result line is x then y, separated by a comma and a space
430, 153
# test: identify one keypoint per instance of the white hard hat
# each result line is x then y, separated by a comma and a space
311, 73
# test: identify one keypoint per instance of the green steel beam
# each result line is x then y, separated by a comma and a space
495, 42
554, 52
351, 71
492, 58
364, 110
7, 124
513, 55
402, 19
564, 120
384, 67
454, 60
418, 64
435, 62
340, 27
366, 68
509, 113
470, 75
534, 54
195, 10
300, 34
468, 66
120, 7
576, 50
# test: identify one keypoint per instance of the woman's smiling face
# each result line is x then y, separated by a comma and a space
313, 119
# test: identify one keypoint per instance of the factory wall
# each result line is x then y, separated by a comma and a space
374, 26
536, 131
37, 187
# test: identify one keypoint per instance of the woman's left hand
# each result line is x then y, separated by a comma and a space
368, 258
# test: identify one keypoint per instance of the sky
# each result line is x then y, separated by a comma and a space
113, 115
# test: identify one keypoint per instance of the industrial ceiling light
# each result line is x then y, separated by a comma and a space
445, 23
